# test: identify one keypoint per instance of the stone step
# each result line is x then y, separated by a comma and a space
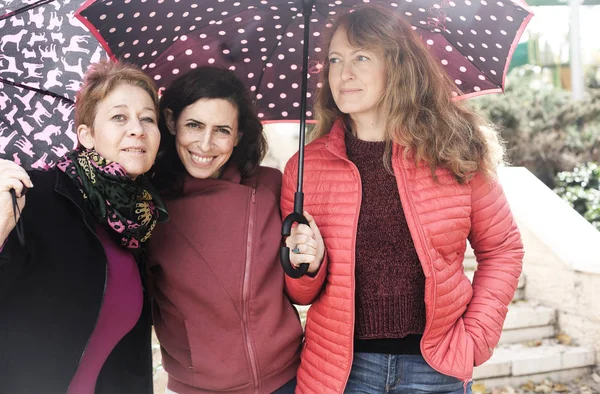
516, 364
528, 314
527, 321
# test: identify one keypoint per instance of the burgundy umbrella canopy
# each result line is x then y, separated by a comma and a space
275, 46
262, 40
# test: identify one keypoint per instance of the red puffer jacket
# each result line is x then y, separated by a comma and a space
464, 321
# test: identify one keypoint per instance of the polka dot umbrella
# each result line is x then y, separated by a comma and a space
266, 43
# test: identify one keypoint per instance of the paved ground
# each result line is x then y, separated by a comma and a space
588, 385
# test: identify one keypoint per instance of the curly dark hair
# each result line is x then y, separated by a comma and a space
207, 82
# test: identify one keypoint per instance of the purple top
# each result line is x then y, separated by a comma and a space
120, 311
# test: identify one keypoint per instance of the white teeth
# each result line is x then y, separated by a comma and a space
202, 160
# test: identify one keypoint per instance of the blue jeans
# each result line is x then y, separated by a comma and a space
374, 373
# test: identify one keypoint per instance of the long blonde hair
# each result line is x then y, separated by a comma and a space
421, 112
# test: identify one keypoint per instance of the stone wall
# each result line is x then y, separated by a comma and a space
562, 256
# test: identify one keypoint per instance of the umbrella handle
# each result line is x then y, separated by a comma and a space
284, 253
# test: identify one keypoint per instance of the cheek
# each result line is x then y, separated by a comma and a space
331, 77
227, 148
155, 138
183, 139
104, 145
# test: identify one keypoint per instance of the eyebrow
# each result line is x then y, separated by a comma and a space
351, 53
126, 106
217, 126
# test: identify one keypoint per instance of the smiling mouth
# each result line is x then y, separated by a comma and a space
201, 160
134, 150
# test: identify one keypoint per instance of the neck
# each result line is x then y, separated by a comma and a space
368, 127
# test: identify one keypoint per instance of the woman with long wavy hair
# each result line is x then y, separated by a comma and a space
398, 177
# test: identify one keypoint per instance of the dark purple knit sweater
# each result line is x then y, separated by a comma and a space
390, 284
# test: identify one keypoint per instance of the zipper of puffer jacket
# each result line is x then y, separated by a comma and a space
429, 260
103, 290
246, 293
353, 290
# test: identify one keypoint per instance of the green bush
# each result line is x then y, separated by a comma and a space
544, 129
581, 189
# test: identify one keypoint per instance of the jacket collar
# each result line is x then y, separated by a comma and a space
230, 174
336, 143
66, 187
336, 140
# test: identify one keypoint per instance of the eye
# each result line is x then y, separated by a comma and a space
224, 131
192, 125
119, 118
148, 119
333, 60
362, 58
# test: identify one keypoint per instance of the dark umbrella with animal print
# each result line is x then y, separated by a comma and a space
44, 52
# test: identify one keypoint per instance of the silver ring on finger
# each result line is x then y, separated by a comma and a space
296, 249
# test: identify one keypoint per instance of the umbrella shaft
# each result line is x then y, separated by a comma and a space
306, 12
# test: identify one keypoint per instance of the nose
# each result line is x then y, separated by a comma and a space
136, 128
347, 71
205, 140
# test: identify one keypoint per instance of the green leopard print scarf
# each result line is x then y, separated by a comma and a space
130, 208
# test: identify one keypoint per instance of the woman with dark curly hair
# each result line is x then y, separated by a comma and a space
220, 311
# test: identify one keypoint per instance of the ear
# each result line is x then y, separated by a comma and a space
85, 136
170, 121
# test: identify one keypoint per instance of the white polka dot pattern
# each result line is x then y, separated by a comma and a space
261, 40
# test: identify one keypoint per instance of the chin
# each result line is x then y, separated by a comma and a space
349, 109
135, 172
199, 174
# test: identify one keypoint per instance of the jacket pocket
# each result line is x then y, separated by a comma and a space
218, 356
482, 352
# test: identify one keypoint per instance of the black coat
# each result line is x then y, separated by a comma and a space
50, 297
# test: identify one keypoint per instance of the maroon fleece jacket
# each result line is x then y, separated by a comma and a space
220, 311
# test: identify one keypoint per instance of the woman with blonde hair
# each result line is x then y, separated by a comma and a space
398, 177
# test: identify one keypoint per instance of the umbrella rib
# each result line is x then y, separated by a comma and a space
40, 91
271, 54
26, 8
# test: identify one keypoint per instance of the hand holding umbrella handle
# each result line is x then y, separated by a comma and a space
284, 253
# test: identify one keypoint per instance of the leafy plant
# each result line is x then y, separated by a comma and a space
544, 129
581, 189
